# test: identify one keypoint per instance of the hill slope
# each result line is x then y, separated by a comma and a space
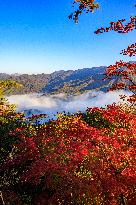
71, 81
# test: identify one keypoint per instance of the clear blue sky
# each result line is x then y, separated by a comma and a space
37, 37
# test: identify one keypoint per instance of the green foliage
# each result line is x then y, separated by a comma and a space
9, 119
97, 120
7, 85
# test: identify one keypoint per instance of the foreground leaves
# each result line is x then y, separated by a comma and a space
86, 158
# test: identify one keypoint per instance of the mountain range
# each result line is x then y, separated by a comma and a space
70, 81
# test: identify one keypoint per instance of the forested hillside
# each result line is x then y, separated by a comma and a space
31, 83
71, 81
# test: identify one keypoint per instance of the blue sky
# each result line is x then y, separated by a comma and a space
36, 36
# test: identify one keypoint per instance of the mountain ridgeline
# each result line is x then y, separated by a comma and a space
70, 82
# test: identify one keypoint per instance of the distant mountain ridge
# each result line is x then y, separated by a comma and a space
71, 81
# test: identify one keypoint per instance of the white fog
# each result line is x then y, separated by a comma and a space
50, 105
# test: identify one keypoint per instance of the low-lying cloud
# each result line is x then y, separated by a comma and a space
50, 105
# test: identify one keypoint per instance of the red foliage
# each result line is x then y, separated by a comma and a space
131, 50
83, 5
126, 71
119, 26
80, 162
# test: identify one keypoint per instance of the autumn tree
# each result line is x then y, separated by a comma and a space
126, 71
85, 158
9, 120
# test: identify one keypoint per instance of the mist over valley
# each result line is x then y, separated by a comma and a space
50, 105
70, 91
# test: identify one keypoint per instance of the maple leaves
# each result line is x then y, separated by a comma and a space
131, 50
80, 159
76, 160
83, 5
119, 26
126, 71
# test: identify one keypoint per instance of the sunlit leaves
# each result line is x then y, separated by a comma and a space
6, 85
131, 50
77, 157
83, 6
119, 26
125, 71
